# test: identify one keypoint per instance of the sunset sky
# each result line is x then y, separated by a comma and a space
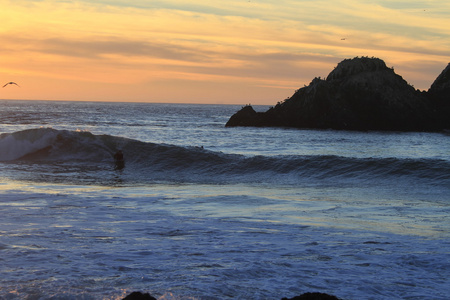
246, 51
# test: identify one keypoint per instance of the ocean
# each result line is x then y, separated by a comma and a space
202, 211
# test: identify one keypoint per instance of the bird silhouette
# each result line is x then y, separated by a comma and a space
11, 83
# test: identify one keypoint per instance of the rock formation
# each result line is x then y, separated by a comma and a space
306, 296
313, 296
359, 94
139, 296
439, 94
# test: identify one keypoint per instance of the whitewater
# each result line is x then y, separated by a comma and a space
202, 211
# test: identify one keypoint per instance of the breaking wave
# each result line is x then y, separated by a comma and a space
58, 150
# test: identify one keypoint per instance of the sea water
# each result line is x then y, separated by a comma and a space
202, 211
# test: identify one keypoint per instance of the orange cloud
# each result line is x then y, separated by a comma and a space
216, 52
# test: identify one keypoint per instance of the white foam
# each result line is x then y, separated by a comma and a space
185, 241
14, 146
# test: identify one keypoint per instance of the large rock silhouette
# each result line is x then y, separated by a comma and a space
439, 94
359, 94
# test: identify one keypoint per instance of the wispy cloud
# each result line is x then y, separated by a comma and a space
279, 45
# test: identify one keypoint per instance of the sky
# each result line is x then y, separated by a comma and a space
218, 52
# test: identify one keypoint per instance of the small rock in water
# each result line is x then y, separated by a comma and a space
313, 296
139, 296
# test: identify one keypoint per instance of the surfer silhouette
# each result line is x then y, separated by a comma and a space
119, 160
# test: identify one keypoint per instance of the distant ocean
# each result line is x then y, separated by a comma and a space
201, 211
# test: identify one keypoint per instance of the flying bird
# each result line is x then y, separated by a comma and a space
11, 83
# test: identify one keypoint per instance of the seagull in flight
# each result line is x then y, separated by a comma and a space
11, 83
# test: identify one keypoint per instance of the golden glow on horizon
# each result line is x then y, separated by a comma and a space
255, 52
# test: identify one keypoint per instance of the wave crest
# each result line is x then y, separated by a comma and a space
47, 144
150, 161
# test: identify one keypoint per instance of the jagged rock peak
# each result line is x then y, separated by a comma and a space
442, 81
349, 67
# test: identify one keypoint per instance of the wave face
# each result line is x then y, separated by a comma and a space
54, 150
47, 144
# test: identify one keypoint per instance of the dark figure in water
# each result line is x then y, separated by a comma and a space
119, 161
